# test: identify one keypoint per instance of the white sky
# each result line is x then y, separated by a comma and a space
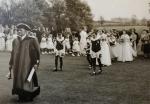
119, 8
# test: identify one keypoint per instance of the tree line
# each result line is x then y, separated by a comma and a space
56, 14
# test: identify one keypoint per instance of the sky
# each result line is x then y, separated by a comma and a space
119, 8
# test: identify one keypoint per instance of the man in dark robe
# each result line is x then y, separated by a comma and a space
25, 55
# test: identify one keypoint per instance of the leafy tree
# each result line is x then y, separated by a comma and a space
58, 14
21, 11
79, 14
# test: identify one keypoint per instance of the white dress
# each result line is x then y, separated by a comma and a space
113, 47
50, 44
43, 43
2, 41
125, 49
67, 43
133, 38
76, 46
83, 43
105, 51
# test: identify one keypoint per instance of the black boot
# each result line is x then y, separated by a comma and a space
93, 66
100, 66
56, 64
61, 64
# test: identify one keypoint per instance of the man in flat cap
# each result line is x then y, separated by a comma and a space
25, 56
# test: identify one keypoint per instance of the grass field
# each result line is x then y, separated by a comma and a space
121, 83
138, 28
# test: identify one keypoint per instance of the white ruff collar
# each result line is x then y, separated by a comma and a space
58, 39
94, 39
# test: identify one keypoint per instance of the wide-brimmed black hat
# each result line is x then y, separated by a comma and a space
24, 26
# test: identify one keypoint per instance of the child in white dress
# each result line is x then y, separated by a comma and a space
76, 47
43, 44
67, 44
50, 44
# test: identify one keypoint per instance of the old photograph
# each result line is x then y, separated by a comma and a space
74, 51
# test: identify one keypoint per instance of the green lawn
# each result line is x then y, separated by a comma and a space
121, 83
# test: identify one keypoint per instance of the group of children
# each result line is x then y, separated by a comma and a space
101, 47
47, 45
104, 47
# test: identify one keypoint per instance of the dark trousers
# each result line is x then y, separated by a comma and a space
94, 64
56, 61
89, 59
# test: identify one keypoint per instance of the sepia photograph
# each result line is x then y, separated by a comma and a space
74, 51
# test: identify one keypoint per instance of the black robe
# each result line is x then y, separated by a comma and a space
24, 56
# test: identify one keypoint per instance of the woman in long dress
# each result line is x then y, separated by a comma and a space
113, 46
76, 47
140, 45
83, 43
125, 53
105, 51
145, 43
133, 38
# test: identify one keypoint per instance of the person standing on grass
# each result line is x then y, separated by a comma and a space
133, 39
88, 54
76, 47
59, 51
50, 44
126, 51
145, 43
43, 44
105, 50
95, 52
67, 44
83, 43
25, 55
113, 47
